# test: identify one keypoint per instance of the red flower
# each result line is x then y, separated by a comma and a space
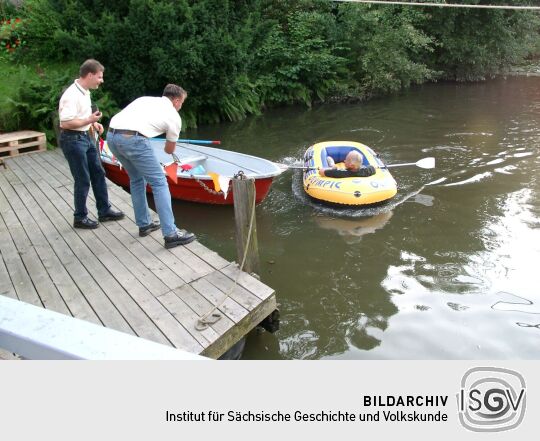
17, 20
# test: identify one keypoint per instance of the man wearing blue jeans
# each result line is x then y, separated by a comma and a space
76, 119
128, 140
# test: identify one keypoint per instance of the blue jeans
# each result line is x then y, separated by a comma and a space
86, 169
137, 156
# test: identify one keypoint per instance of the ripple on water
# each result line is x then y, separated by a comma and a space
476, 178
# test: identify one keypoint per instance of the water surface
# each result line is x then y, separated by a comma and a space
449, 269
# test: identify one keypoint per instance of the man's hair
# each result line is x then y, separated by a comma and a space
355, 157
90, 66
174, 91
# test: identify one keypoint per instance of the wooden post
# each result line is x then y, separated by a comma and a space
244, 196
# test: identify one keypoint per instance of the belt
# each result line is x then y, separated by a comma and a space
126, 132
75, 132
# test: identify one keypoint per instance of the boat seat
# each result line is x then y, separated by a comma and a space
193, 160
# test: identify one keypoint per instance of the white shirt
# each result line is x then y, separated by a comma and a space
151, 116
75, 103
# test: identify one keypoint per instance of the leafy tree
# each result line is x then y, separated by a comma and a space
237, 56
477, 43
386, 47
298, 60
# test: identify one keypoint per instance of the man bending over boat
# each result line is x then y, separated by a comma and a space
128, 139
353, 167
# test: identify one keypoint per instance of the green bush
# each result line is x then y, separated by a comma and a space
479, 43
237, 57
298, 61
35, 106
386, 49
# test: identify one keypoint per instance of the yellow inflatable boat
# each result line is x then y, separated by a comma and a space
346, 191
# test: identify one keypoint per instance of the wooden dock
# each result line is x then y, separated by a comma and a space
110, 276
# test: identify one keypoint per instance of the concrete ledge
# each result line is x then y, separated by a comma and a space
39, 334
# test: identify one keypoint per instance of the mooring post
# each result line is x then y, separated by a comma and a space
244, 199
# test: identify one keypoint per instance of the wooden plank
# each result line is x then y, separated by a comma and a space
82, 243
92, 279
22, 134
4, 203
19, 277
189, 255
146, 283
57, 159
209, 256
55, 233
6, 286
18, 143
215, 296
201, 259
114, 247
242, 328
49, 295
166, 324
247, 281
46, 289
35, 172
41, 166
128, 308
72, 296
238, 293
146, 257
187, 317
201, 306
61, 173
186, 264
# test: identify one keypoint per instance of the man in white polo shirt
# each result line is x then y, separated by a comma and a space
128, 139
76, 119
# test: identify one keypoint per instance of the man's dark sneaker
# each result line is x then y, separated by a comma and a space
181, 237
146, 230
111, 215
86, 223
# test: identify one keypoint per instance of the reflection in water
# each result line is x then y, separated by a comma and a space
353, 229
434, 273
529, 325
516, 304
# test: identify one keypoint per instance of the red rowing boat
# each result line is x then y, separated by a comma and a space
204, 173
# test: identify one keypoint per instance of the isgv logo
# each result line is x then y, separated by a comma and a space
491, 399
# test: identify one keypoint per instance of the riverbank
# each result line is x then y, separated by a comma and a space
528, 70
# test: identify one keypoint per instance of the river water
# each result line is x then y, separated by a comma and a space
449, 269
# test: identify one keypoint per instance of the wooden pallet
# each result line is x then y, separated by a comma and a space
19, 143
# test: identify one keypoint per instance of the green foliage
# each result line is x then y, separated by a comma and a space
35, 106
12, 31
298, 61
385, 47
479, 43
236, 57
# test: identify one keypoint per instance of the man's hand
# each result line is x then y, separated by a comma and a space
98, 127
95, 117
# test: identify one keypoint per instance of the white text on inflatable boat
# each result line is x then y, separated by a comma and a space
324, 183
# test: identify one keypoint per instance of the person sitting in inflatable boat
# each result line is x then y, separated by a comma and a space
353, 167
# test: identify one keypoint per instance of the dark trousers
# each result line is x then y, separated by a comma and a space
86, 169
